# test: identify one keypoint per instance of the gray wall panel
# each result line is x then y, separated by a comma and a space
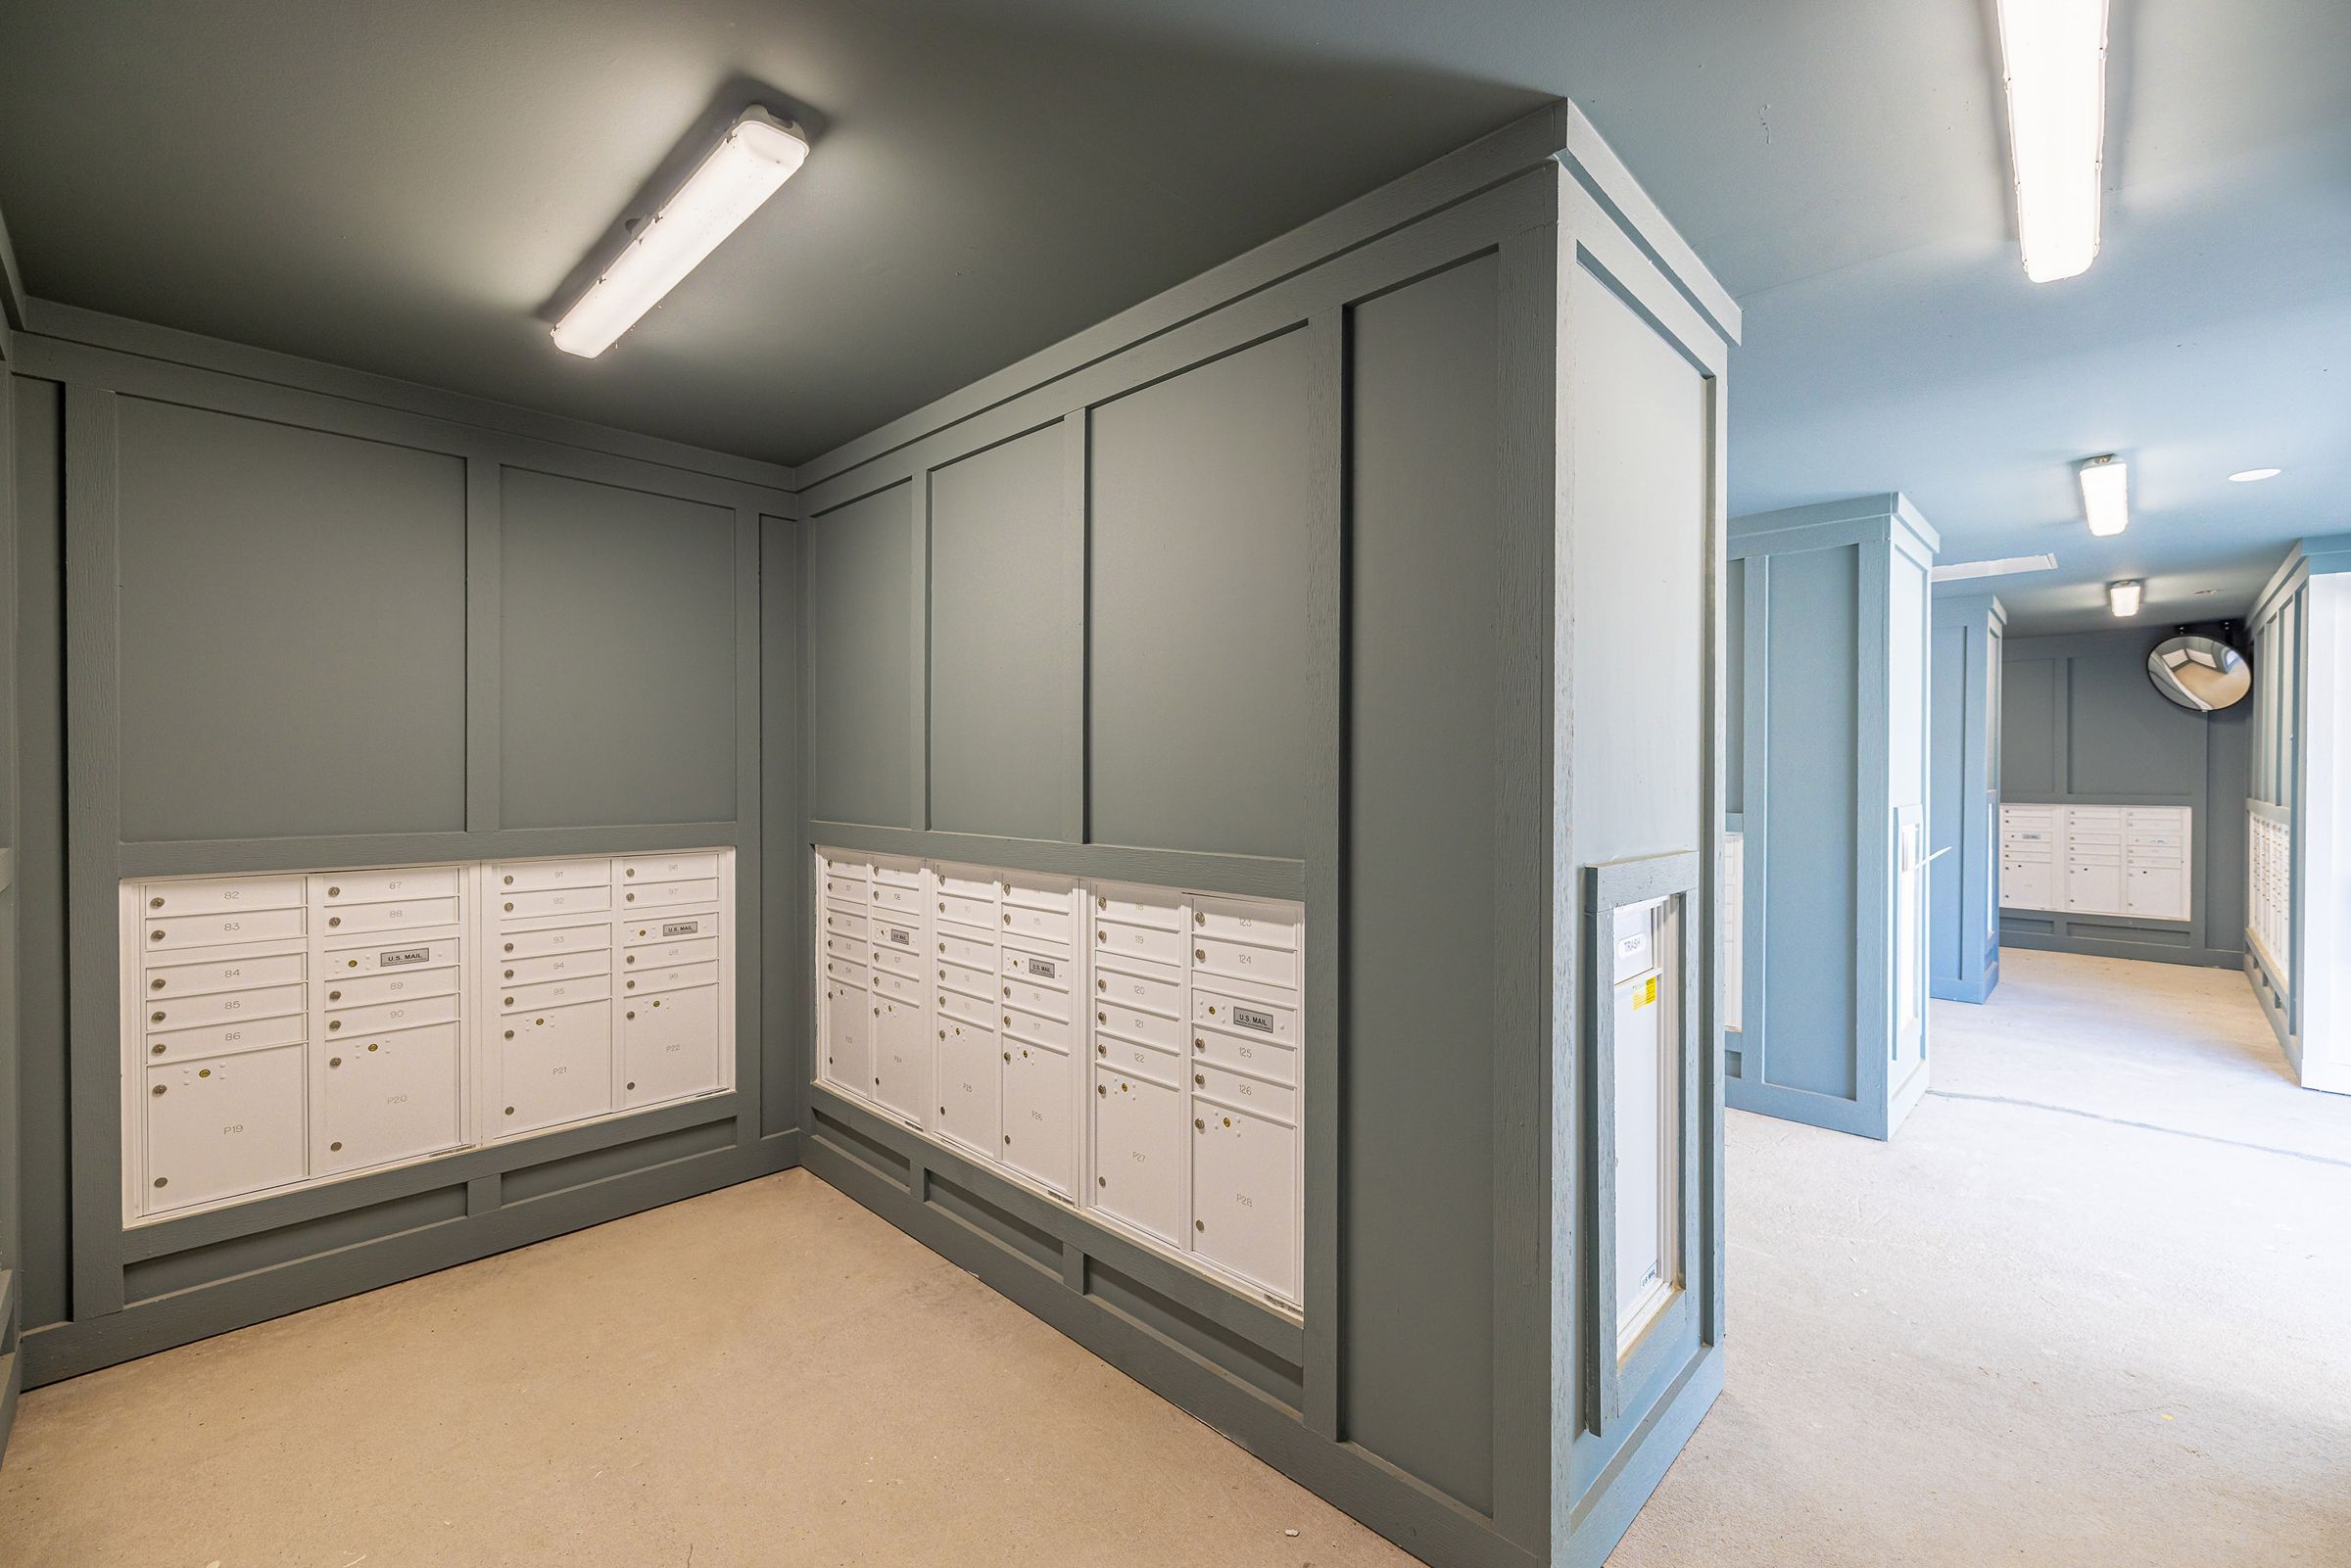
616, 662
785, 867
1200, 494
2028, 727
292, 629
858, 679
1002, 741
1809, 928
45, 1170
1423, 658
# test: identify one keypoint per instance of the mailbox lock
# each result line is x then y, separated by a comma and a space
158, 1048
334, 1061
509, 1034
632, 1085
1199, 1224
509, 947
335, 919
156, 1017
1100, 1049
509, 907
1008, 1056
631, 872
1199, 918
1101, 1181
334, 892
1101, 1018
509, 881
1201, 1078
154, 937
1199, 955
510, 1109
1099, 1088
628, 898
1199, 1126
155, 984
333, 1024
1198, 1044
333, 1146
154, 903
1101, 985
633, 1011
1101, 935
157, 1089
163, 1181
509, 975
334, 996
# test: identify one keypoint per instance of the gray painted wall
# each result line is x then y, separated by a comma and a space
358, 623
1963, 921
2081, 723
12, 1372
1830, 673
1309, 512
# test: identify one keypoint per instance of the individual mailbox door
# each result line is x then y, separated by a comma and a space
849, 1037
554, 1067
2026, 884
1139, 1152
216, 929
222, 895
2095, 886
1245, 1195
901, 1055
669, 1047
224, 974
969, 1080
224, 1126
1041, 1141
587, 899
389, 1097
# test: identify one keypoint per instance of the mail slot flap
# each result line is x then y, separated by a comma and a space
382, 958
668, 867
415, 915
556, 939
218, 930
214, 895
224, 974
219, 1039
404, 1014
536, 875
646, 930
365, 990
1267, 1021
396, 885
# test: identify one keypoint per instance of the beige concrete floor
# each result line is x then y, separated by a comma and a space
2087, 1308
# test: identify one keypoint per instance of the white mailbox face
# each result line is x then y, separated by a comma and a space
2102, 860
323, 1023
1132, 1051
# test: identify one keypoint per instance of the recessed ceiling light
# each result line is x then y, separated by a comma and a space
2053, 53
2105, 494
2122, 597
2253, 476
2206, 593
757, 155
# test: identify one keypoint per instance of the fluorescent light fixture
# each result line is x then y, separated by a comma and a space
2105, 494
2055, 54
2005, 566
2122, 597
2253, 476
758, 155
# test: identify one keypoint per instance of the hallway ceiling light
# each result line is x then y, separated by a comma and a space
2122, 597
2253, 476
2005, 566
757, 155
2105, 494
2054, 55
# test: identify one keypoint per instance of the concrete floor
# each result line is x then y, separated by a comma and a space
2089, 1307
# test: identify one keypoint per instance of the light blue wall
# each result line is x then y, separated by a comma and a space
2082, 725
1829, 678
1964, 934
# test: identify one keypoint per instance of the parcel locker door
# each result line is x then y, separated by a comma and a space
969, 1080
393, 1096
901, 1056
554, 1067
1041, 1140
1140, 1151
221, 1127
848, 1055
1245, 1195
668, 1046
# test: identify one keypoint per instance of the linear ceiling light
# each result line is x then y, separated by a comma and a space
2105, 494
2005, 566
2122, 597
2054, 52
758, 155
2253, 476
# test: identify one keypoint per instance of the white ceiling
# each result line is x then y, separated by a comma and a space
401, 188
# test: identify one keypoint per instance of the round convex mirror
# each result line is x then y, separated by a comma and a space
2200, 673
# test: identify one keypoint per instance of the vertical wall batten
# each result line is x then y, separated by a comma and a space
1325, 844
484, 608
1074, 611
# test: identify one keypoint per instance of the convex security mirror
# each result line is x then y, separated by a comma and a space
2200, 673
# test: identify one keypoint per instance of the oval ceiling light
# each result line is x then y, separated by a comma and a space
759, 154
2053, 53
2253, 476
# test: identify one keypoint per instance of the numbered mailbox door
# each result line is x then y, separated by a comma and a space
1139, 1153
849, 1037
1039, 1140
554, 1067
393, 1096
669, 1046
1245, 1195
223, 1127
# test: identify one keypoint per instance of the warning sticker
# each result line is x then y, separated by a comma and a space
1646, 993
